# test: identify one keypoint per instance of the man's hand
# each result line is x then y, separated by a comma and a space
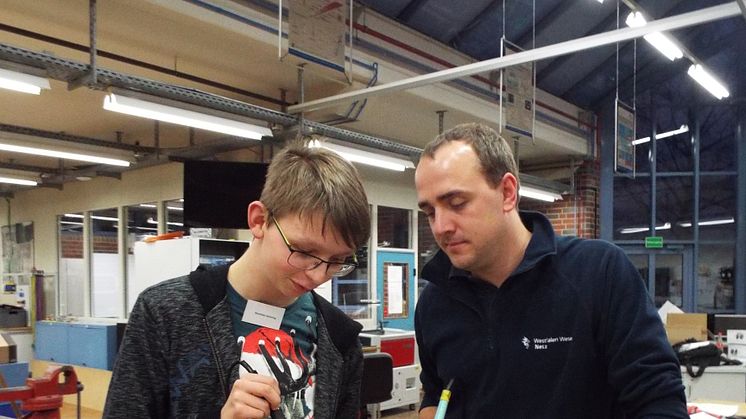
253, 396
427, 412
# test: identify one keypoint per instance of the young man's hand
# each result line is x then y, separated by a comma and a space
253, 396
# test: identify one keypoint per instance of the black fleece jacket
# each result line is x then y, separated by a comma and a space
572, 333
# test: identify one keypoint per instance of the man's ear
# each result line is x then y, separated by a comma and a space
509, 186
257, 215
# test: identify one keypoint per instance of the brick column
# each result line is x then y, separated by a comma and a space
575, 215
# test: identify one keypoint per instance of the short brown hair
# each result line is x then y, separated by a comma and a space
310, 181
494, 153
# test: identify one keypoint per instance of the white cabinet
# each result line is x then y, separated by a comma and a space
717, 383
165, 259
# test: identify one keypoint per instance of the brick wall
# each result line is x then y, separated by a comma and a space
71, 244
575, 215
393, 227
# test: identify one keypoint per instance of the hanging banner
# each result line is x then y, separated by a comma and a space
517, 97
316, 34
624, 150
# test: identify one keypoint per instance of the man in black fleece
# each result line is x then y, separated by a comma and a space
528, 324
253, 339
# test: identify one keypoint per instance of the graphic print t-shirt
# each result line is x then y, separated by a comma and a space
287, 354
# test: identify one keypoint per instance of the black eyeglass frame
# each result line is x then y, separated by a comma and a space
344, 267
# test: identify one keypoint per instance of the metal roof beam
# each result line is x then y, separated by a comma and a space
409, 10
478, 18
545, 21
697, 17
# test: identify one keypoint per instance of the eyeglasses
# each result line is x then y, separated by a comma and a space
306, 261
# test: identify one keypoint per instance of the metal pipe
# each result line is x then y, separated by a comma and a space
739, 284
690, 297
92, 36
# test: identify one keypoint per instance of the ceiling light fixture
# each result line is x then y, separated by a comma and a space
365, 157
630, 230
167, 207
682, 129
708, 81
7, 145
150, 220
179, 116
714, 222
94, 217
17, 181
22, 82
540, 194
658, 40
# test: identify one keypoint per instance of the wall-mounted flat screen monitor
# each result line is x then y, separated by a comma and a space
217, 194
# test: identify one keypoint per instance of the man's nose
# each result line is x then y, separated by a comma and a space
441, 224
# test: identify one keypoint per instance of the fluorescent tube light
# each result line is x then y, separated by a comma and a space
658, 40
62, 155
174, 115
708, 81
540, 194
710, 222
168, 207
17, 181
630, 230
21, 82
366, 157
95, 217
682, 129
150, 220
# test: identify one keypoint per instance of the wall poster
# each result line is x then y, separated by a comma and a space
395, 290
624, 129
18, 247
517, 97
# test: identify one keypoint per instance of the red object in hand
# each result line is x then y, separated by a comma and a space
43, 396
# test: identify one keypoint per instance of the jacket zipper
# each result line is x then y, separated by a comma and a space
221, 375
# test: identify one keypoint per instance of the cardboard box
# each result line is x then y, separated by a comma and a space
8, 351
683, 326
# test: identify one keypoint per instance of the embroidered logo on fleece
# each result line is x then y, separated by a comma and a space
541, 344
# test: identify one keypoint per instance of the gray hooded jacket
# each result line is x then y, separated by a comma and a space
176, 356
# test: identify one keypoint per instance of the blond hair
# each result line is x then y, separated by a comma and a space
307, 181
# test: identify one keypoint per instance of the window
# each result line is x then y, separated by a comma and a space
107, 298
393, 228
139, 228
715, 278
72, 271
426, 246
631, 208
351, 293
174, 215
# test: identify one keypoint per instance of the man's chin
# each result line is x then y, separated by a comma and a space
460, 261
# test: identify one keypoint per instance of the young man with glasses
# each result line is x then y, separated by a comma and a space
252, 340
522, 322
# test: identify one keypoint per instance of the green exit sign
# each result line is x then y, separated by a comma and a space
654, 242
